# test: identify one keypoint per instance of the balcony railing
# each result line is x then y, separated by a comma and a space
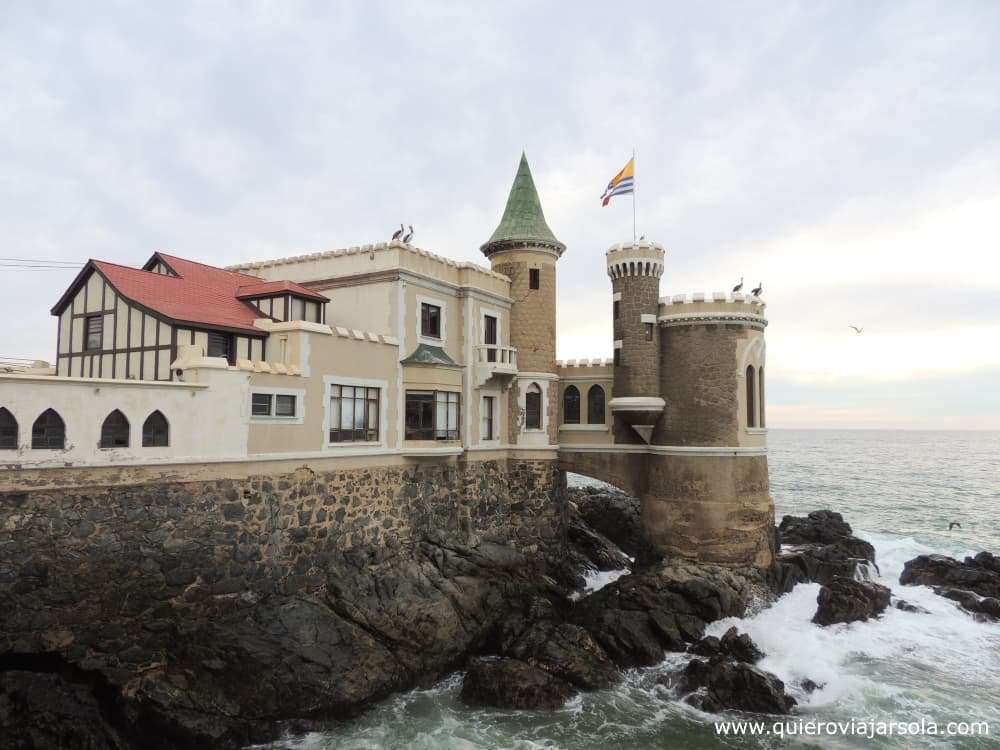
492, 359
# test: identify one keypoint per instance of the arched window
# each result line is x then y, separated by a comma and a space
48, 431
751, 391
571, 405
114, 431
155, 431
595, 405
8, 430
760, 387
533, 408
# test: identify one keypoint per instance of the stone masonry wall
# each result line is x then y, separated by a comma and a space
637, 374
700, 385
71, 559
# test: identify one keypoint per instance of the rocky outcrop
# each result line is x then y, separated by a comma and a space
982, 607
589, 549
718, 684
980, 574
819, 527
509, 683
822, 547
848, 600
732, 645
611, 513
642, 615
904, 606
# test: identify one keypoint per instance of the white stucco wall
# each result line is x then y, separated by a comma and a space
208, 419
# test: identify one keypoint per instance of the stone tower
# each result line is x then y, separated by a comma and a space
635, 269
524, 249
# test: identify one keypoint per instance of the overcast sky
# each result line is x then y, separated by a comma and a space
845, 154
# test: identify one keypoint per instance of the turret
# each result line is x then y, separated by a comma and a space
635, 269
524, 249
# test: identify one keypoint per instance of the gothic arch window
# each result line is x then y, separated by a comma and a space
155, 431
114, 431
571, 405
751, 392
8, 430
533, 407
595, 405
760, 387
48, 431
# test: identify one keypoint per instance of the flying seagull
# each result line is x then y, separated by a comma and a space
953, 524
398, 233
739, 286
408, 236
856, 329
760, 288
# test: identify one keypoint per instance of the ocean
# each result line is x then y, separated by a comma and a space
899, 490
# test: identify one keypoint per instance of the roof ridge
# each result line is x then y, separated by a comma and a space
205, 265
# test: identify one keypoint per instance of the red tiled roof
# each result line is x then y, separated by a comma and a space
264, 288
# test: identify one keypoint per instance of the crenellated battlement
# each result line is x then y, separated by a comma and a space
639, 258
596, 362
719, 308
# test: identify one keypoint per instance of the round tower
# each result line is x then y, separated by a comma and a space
524, 249
708, 495
635, 269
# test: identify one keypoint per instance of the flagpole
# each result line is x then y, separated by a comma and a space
633, 194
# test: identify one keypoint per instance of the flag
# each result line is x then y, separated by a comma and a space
621, 184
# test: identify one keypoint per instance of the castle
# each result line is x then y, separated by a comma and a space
397, 362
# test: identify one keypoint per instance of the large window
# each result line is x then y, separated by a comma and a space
431, 415
114, 431
220, 345
94, 332
48, 431
354, 414
430, 320
533, 407
595, 405
488, 418
571, 405
155, 431
751, 391
8, 429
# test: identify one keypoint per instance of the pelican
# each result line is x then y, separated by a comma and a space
738, 287
856, 329
408, 236
398, 233
760, 288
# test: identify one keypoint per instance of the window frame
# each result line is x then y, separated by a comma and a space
148, 436
434, 430
426, 318
488, 418
230, 347
272, 417
368, 399
382, 386
751, 388
530, 394
571, 411
8, 420
62, 444
99, 319
534, 278
105, 444
597, 387
422, 338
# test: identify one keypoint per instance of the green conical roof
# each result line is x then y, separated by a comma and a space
523, 222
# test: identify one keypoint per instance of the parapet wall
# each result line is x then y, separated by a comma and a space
713, 307
172, 544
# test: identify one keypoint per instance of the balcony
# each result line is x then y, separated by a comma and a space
494, 361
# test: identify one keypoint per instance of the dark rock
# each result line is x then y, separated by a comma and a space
984, 607
819, 527
611, 513
980, 574
642, 614
733, 685
848, 600
562, 649
811, 687
905, 606
732, 645
823, 563
590, 549
509, 683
